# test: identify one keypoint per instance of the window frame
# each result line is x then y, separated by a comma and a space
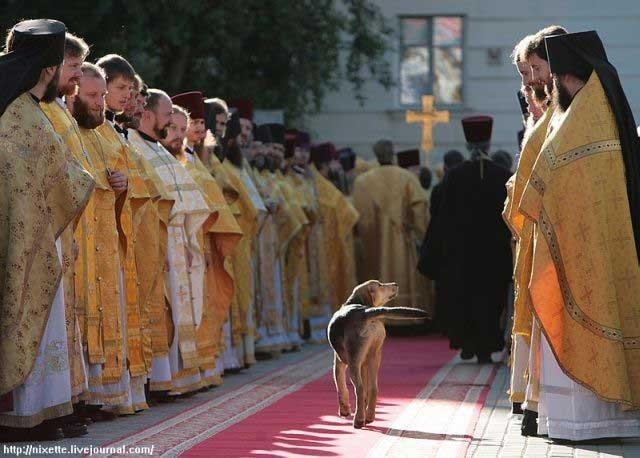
431, 48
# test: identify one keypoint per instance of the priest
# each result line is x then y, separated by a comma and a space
196, 131
219, 236
315, 284
339, 218
535, 52
290, 222
76, 51
394, 213
120, 77
98, 267
44, 191
468, 236
583, 199
270, 317
179, 371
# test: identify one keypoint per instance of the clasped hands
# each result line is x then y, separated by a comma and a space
117, 180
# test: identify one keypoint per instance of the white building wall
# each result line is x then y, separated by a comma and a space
487, 89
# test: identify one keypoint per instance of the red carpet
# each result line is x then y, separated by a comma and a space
305, 423
428, 406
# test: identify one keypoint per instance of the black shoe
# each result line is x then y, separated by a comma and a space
466, 354
529, 424
516, 408
74, 430
37, 433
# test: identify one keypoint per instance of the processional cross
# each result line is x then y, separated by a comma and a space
428, 117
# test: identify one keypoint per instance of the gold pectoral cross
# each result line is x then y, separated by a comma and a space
428, 117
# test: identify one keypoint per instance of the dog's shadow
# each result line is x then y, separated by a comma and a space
409, 434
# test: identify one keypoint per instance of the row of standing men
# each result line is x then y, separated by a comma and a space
145, 255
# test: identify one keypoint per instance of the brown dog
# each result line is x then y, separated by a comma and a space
356, 334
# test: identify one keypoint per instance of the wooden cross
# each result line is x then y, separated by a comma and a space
428, 117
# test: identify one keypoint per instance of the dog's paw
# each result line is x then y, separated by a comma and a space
358, 423
370, 419
344, 413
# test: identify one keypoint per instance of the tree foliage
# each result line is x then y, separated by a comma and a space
278, 53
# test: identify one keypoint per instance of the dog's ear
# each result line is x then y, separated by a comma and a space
371, 294
362, 294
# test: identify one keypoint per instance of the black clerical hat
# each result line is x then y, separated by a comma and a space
323, 153
566, 52
477, 129
243, 107
35, 44
408, 158
192, 101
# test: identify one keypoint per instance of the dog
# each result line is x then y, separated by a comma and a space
356, 334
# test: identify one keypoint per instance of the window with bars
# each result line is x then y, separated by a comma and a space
431, 51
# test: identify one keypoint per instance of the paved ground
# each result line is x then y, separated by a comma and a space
497, 433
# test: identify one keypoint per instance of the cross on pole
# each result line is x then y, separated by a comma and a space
428, 117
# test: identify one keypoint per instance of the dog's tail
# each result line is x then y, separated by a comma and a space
400, 313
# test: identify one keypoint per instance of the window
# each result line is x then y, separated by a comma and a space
431, 59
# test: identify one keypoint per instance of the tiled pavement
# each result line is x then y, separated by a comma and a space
497, 434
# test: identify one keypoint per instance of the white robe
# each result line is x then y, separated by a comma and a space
519, 363
293, 319
46, 392
567, 410
256, 200
230, 360
272, 332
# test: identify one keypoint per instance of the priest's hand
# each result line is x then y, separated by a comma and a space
118, 181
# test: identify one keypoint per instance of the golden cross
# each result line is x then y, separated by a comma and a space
428, 117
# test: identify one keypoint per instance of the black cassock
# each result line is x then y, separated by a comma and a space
467, 251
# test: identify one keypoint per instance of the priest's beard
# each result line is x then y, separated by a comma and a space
539, 93
160, 132
542, 91
70, 89
51, 91
127, 121
86, 118
561, 97
174, 146
198, 147
234, 154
